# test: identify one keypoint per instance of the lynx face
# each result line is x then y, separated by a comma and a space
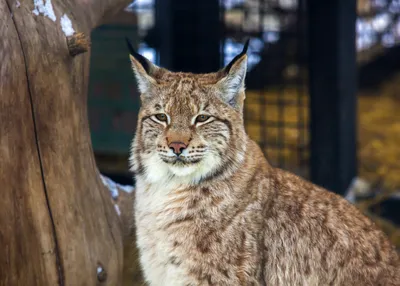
190, 126
188, 136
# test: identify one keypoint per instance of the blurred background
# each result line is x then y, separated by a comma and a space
323, 85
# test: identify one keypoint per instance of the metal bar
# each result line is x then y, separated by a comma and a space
281, 105
301, 125
223, 32
332, 70
263, 99
189, 33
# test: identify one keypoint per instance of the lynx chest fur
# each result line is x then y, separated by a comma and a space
204, 235
209, 210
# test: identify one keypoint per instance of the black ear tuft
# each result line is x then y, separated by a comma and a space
246, 46
244, 51
142, 60
130, 47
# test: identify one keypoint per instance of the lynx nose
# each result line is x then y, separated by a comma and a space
177, 147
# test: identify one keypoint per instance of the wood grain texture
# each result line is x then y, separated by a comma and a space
57, 223
26, 231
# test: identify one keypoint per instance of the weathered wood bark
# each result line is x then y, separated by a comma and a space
57, 224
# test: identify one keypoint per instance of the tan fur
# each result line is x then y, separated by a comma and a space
226, 217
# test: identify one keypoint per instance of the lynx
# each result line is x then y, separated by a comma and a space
210, 210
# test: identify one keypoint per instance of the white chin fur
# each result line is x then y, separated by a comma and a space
183, 170
158, 171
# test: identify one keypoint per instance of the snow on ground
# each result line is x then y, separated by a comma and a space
114, 188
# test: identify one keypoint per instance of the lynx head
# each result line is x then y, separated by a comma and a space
190, 126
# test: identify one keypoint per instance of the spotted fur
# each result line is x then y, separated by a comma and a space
221, 215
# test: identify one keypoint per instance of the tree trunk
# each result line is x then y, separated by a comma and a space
57, 223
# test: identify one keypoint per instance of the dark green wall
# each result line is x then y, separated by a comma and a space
113, 97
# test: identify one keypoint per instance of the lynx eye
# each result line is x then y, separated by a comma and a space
161, 117
202, 118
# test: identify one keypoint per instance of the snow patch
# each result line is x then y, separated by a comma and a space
45, 8
117, 210
358, 188
396, 195
17, 4
127, 189
113, 186
66, 26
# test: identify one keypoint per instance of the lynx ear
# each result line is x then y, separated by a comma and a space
143, 69
231, 85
